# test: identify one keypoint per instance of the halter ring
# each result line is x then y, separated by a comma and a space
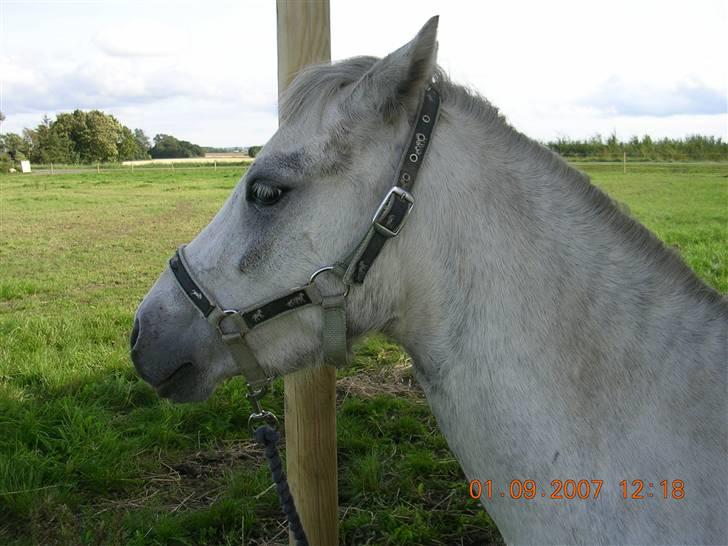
324, 270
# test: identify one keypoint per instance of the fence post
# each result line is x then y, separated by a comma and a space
304, 37
132, 167
98, 168
51, 168
625, 162
214, 164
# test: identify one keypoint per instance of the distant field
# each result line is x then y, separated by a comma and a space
209, 158
227, 154
90, 455
684, 204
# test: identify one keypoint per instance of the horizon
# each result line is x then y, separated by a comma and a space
173, 68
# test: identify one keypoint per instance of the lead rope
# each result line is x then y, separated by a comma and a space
268, 437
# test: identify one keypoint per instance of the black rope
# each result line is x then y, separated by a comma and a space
268, 438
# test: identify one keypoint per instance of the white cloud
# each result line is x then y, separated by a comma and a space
618, 97
141, 39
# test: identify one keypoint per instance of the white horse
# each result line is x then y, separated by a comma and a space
555, 337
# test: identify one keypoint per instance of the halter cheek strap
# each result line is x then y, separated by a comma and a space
391, 215
388, 221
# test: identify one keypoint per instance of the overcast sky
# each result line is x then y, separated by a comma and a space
206, 71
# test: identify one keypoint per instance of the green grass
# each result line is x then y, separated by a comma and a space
90, 455
684, 204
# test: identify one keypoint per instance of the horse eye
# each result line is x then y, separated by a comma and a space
263, 195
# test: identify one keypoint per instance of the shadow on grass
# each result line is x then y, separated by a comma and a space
89, 454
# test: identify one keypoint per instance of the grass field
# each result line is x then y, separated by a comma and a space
90, 455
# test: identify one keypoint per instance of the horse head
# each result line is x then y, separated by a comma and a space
305, 203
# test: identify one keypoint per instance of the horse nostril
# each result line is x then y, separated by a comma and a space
134, 333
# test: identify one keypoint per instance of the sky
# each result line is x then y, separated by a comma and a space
205, 71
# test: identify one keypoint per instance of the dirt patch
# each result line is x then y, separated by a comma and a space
191, 483
397, 380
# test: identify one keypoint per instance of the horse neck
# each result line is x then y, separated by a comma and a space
550, 332
516, 285
511, 234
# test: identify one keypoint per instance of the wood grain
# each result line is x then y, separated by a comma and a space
304, 38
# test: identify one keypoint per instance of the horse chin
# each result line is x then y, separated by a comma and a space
187, 384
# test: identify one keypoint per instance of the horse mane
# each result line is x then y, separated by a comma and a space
316, 84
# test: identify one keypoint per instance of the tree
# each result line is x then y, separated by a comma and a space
254, 150
167, 146
143, 143
89, 137
48, 145
95, 136
12, 148
103, 133
30, 137
127, 145
15, 146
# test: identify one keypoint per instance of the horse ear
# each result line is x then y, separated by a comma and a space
397, 80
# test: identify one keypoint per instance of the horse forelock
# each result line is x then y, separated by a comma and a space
316, 84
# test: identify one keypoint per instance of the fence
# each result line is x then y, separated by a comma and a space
98, 168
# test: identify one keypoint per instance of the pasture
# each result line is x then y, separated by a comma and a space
90, 455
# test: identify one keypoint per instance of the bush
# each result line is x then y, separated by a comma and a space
5, 162
254, 150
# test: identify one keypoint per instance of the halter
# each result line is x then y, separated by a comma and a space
388, 221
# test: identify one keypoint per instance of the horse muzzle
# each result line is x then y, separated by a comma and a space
164, 357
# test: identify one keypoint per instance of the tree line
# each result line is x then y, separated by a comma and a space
93, 136
89, 137
694, 148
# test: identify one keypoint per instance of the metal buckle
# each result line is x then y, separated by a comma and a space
395, 192
264, 416
254, 395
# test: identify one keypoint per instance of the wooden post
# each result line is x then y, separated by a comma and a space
132, 167
98, 167
624, 162
310, 395
214, 164
51, 168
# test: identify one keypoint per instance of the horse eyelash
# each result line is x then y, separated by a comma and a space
263, 191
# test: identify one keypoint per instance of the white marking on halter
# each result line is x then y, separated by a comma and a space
420, 144
298, 300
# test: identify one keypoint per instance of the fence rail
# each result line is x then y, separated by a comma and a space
52, 169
